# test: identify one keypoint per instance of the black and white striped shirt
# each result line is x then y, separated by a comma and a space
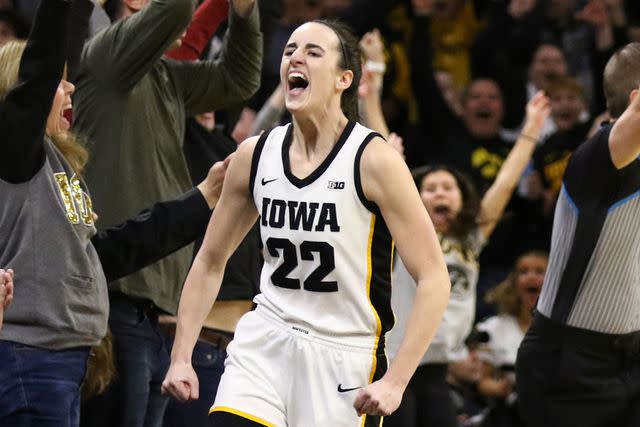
593, 277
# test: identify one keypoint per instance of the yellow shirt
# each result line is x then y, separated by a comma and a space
452, 40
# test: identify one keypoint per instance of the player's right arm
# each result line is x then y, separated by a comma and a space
234, 215
624, 141
387, 182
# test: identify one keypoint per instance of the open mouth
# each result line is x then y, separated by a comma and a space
564, 116
532, 290
441, 210
551, 75
441, 214
67, 117
297, 82
483, 114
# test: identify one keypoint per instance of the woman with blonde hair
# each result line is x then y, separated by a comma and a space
516, 298
62, 263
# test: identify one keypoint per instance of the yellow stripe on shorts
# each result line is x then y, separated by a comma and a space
242, 414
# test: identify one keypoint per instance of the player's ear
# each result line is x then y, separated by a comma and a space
344, 80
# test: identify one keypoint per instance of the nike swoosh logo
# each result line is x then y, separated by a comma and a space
344, 390
266, 181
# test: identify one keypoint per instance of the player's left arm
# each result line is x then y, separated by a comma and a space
387, 182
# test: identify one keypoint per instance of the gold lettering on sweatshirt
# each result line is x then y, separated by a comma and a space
76, 202
83, 202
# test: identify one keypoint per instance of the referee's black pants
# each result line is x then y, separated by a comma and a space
574, 377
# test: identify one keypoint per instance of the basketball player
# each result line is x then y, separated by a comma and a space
579, 363
330, 195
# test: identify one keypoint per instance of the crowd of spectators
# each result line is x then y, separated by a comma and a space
447, 82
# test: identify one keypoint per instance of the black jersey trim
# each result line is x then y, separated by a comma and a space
372, 207
381, 253
381, 368
226, 415
256, 159
378, 283
300, 183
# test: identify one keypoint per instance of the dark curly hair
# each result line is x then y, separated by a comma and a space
350, 59
466, 221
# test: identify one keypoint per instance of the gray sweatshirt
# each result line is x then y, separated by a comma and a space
46, 224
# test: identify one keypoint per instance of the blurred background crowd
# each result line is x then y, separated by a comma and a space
452, 79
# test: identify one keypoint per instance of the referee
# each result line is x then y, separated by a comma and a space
579, 363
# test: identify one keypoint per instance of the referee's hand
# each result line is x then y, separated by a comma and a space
379, 398
181, 382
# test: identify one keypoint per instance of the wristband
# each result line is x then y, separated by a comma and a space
375, 67
529, 137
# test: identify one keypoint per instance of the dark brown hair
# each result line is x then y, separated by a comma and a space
464, 95
101, 368
466, 221
350, 59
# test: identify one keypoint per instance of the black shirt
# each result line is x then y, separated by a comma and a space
242, 273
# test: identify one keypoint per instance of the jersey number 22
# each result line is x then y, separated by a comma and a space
313, 282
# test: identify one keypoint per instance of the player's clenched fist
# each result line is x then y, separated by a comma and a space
379, 398
181, 382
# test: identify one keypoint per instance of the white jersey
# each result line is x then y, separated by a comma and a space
327, 250
448, 343
505, 336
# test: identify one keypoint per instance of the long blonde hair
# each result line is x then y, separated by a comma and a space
69, 144
505, 294
100, 365
101, 368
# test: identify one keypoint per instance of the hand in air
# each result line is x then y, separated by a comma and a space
538, 110
372, 46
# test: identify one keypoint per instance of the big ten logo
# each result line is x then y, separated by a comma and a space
486, 162
336, 185
77, 203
